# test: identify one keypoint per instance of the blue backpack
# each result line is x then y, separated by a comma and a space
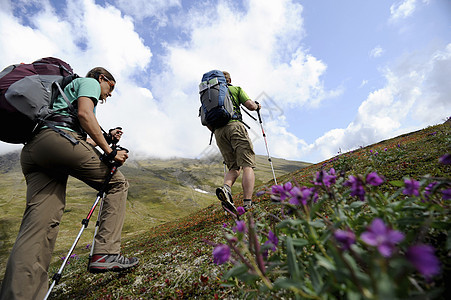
216, 108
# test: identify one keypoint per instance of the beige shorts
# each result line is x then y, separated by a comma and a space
235, 146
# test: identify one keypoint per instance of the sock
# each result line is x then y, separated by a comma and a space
247, 202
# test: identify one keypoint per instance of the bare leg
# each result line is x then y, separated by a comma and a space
248, 182
231, 177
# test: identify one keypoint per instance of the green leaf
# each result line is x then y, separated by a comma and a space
317, 223
397, 183
236, 271
315, 277
289, 223
293, 266
287, 283
324, 262
299, 242
357, 204
385, 287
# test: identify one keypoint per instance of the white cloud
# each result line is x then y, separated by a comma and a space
141, 9
260, 46
376, 52
248, 45
91, 36
416, 94
364, 82
402, 10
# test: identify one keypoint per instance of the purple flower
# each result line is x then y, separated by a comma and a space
283, 191
240, 210
411, 187
445, 159
345, 237
446, 194
296, 196
260, 193
240, 227
325, 178
385, 149
356, 187
221, 254
424, 260
272, 240
382, 237
300, 195
330, 177
374, 179
428, 190
224, 225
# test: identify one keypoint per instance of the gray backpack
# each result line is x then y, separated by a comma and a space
27, 92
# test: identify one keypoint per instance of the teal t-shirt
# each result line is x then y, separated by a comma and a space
239, 97
80, 87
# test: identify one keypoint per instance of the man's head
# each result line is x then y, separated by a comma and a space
227, 76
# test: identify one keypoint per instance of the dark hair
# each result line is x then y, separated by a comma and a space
97, 71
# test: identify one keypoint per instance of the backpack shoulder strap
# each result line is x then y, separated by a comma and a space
70, 107
231, 95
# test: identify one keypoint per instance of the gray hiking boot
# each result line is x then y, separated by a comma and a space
225, 196
111, 262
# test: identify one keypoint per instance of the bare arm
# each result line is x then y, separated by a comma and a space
88, 122
115, 134
251, 105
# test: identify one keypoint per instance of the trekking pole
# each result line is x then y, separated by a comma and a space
57, 276
91, 253
266, 142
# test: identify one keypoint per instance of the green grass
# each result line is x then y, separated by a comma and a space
160, 191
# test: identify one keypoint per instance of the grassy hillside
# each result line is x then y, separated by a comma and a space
176, 256
160, 191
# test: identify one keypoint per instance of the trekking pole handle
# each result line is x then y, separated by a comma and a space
120, 148
109, 158
258, 112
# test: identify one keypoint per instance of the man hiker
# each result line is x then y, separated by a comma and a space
47, 161
237, 150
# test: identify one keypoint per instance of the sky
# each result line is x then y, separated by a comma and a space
332, 76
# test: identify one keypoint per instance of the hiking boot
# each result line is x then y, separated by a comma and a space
111, 262
247, 205
226, 198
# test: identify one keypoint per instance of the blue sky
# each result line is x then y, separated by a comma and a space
331, 75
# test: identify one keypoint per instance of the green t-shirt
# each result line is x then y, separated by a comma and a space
239, 97
80, 87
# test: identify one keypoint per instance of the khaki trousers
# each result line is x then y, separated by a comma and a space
47, 161
235, 145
